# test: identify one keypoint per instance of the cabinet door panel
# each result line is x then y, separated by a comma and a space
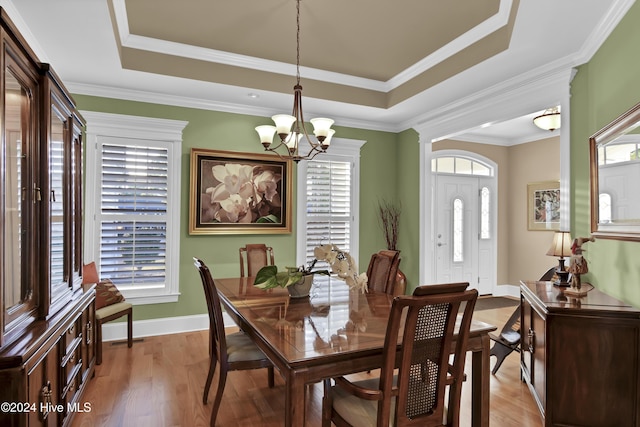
18, 194
585, 348
57, 165
44, 391
539, 356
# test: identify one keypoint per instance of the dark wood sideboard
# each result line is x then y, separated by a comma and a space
47, 323
580, 356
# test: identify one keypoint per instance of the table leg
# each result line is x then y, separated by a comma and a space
480, 386
295, 401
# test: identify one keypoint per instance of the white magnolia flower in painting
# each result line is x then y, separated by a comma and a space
242, 194
266, 185
235, 179
234, 209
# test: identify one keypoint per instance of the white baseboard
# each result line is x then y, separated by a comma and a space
117, 331
506, 290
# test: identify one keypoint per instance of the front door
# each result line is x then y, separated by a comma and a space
462, 252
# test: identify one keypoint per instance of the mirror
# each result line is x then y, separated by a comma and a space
615, 174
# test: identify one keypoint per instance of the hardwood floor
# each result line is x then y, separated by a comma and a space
160, 381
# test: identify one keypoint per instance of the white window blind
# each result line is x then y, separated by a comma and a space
328, 206
328, 200
132, 203
56, 203
133, 214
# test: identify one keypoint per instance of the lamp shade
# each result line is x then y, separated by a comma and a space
283, 123
266, 133
561, 245
321, 126
549, 120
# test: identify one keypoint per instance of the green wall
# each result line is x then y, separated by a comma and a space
409, 193
235, 132
604, 88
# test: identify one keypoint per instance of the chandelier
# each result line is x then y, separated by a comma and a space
549, 120
291, 128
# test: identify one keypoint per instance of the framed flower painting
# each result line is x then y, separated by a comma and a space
239, 193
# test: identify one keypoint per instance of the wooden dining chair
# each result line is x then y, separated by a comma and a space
414, 394
234, 352
255, 256
383, 272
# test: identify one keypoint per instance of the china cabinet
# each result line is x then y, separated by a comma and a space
47, 346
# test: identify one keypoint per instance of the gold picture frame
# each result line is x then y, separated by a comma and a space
239, 193
543, 206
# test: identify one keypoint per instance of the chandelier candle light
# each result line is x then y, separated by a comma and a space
291, 128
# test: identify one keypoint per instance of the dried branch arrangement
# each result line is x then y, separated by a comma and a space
389, 215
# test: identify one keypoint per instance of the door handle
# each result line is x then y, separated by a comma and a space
441, 244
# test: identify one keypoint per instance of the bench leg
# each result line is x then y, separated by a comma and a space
130, 328
98, 342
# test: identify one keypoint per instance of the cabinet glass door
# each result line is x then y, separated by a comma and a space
18, 296
58, 273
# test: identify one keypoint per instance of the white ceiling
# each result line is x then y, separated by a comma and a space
97, 55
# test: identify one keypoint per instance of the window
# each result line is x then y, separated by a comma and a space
458, 221
328, 195
485, 211
133, 203
460, 166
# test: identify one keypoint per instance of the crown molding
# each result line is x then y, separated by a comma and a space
132, 41
475, 34
520, 95
601, 32
207, 104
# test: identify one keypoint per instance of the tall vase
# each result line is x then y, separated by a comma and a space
400, 284
302, 288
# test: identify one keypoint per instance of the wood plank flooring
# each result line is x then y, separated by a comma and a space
160, 381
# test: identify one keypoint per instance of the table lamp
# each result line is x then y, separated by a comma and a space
561, 247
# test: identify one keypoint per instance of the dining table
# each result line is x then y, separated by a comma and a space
334, 331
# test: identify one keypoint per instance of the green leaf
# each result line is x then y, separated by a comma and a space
284, 278
266, 277
269, 218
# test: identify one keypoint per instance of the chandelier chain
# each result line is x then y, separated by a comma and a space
291, 128
298, 42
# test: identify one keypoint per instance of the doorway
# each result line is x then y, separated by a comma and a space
465, 241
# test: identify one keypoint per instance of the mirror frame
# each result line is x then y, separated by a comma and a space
619, 126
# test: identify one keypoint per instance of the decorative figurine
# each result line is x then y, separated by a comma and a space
578, 264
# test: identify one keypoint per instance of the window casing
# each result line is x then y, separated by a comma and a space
328, 200
132, 202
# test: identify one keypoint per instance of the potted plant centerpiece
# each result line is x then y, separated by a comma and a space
298, 280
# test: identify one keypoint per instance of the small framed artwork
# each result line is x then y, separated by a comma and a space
239, 193
543, 205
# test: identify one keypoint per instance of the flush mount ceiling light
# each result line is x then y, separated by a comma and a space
549, 120
291, 128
